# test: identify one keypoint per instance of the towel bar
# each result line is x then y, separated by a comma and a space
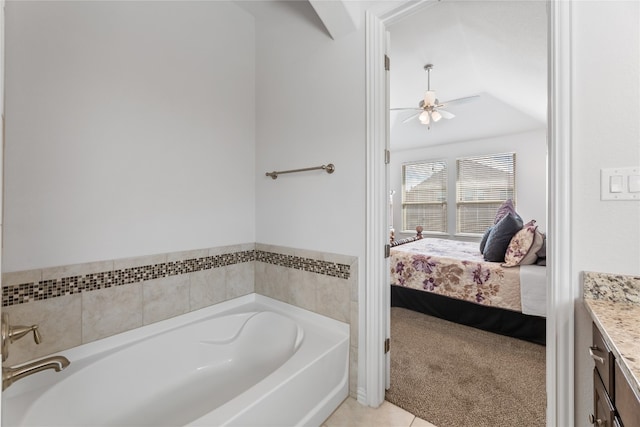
329, 168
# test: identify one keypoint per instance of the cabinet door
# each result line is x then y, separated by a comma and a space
604, 413
627, 403
603, 359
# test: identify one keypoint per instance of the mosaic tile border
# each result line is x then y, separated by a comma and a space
53, 288
334, 269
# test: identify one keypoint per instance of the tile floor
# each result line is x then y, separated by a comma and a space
352, 414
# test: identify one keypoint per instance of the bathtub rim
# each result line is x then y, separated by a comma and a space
84, 353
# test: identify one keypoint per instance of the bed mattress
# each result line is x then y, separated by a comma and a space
458, 270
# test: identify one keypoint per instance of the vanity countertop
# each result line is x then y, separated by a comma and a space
614, 304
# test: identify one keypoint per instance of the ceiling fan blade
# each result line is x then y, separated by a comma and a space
446, 114
402, 109
411, 117
459, 100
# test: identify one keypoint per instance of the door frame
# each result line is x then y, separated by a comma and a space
561, 293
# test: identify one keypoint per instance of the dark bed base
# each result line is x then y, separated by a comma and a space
497, 320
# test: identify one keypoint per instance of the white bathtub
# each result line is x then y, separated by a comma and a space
252, 361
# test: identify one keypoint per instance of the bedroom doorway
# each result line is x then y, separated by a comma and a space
559, 351
482, 142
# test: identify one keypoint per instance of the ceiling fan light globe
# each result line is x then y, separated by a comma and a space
435, 115
424, 118
430, 97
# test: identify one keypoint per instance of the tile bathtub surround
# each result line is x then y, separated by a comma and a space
60, 282
75, 308
283, 277
86, 302
43, 289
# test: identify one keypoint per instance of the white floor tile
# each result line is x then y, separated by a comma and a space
353, 414
419, 422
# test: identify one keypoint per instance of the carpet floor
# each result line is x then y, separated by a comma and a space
456, 376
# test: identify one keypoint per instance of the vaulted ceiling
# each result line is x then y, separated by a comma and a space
495, 49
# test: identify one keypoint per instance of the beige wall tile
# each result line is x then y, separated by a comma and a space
20, 277
302, 289
353, 323
259, 273
353, 281
181, 256
272, 280
219, 250
76, 269
325, 256
247, 246
353, 371
285, 250
207, 287
59, 323
263, 247
165, 298
333, 298
308, 253
240, 279
338, 258
120, 264
110, 311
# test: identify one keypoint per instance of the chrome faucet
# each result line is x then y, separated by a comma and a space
11, 375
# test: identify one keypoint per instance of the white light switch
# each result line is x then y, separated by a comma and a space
634, 183
615, 183
620, 183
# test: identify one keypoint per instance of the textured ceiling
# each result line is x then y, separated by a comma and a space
495, 49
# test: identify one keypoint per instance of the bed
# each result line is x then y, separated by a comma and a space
451, 280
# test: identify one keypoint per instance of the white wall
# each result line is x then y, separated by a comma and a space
606, 133
130, 129
310, 99
531, 172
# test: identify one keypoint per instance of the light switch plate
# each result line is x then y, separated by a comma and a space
616, 184
620, 183
634, 183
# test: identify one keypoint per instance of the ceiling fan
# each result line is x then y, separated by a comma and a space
430, 109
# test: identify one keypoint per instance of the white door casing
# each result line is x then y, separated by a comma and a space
375, 312
560, 310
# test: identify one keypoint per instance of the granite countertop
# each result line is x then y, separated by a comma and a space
614, 304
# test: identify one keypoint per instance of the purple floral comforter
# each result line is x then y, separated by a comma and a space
457, 270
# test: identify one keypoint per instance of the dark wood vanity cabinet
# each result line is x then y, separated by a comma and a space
627, 402
615, 404
604, 414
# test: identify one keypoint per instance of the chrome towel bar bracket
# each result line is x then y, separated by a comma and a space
330, 168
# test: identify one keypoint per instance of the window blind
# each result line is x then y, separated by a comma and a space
483, 183
424, 196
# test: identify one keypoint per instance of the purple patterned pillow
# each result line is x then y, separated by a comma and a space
524, 246
505, 209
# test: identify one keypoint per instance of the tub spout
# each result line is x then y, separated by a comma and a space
11, 375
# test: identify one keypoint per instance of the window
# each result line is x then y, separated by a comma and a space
483, 184
424, 196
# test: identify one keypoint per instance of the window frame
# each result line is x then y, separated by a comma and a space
495, 202
444, 203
